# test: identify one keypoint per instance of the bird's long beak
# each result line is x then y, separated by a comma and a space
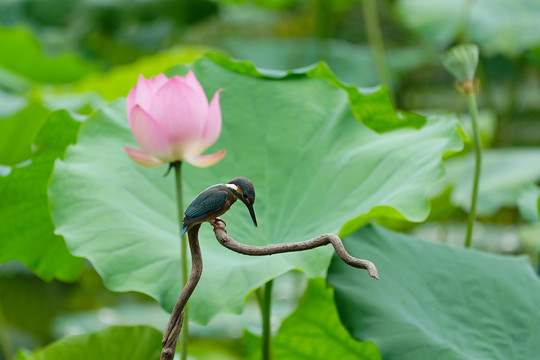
252, 213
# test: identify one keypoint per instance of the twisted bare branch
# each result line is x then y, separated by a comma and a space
174, 326
230, 243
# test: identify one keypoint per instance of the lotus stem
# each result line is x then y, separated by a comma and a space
264, 295
183, 256
376, 43
473, 110
461, 61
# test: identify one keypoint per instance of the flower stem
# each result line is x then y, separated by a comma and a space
473, 111
375, 39
183, 255
265, 303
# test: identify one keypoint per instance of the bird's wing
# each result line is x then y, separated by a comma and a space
207, 202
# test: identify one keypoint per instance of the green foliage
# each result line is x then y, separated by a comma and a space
505, 174
22, 55
316, 318
529, 208
27, 232
214, 349
499, 26
529, 236
10, 103
114, 343
437, 302
529, 204
270, 4
111, 32
371, 106
121, 216
325, 156
18, 131
487, 125
117, 82
28, 307
352, 63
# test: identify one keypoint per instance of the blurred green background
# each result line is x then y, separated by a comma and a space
81, 54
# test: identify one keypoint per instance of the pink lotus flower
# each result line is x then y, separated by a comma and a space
172, 121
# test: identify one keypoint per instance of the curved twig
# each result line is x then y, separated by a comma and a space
174, 326
230, 243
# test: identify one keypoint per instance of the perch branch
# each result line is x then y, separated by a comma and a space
174, 326
230, 243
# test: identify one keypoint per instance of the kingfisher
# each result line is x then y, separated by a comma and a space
217, 199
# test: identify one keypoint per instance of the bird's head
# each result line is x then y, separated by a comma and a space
246, 193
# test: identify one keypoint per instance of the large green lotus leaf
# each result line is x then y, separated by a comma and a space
313, 165
500, 26
505, 174
436, 301
371, 106
27, 232
114, 343
314, 332
22, 54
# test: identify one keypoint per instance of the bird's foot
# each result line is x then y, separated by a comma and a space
217, 224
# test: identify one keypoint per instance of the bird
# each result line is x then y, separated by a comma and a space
216, 200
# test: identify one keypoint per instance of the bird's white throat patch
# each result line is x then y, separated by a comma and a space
232, 186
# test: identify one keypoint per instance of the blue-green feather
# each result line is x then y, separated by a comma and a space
209, 201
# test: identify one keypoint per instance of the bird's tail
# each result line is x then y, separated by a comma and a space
184, 229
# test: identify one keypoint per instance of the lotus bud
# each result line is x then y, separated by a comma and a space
461, 61
172, 120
